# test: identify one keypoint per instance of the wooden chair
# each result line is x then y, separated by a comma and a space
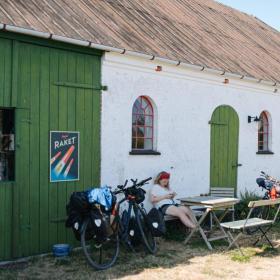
262, 225
223, 192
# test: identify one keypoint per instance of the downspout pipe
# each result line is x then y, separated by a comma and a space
84, 43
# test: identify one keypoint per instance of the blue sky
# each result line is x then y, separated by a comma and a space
266, 10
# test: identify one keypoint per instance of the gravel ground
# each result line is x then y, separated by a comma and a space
172, 261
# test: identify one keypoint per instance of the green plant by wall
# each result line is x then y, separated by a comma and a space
241, 209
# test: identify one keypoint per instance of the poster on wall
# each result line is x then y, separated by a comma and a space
64, 156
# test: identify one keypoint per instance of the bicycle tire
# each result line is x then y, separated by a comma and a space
98, 249
148, 239
124, 235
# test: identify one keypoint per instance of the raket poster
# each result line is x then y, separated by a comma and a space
64, 156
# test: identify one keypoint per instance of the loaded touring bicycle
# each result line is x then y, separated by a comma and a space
95, 218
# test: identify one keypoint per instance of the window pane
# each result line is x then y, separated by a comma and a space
7, 145
134, 119
148, 121
148, 144
134, 143
140, 120
261, 124
133, 131
144, 102
134, 110
140, 131
148, 132
138, 103
140, 143
149, 110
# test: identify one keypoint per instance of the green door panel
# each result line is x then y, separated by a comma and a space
224, 147
6, 189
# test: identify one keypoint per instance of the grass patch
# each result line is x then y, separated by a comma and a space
267, 251
248, 253
240, 258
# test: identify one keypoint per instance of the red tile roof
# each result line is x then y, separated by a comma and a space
202, 32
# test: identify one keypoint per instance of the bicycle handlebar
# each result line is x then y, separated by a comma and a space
122, 188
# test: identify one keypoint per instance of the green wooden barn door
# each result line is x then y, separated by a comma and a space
6, 188
58, 90
224, 147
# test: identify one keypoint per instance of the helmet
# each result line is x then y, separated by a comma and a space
261, 182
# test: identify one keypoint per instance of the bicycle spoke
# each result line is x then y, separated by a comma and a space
100, 255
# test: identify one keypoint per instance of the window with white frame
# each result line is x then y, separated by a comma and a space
264, 132
142, 124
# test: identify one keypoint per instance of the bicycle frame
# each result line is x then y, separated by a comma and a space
123, 229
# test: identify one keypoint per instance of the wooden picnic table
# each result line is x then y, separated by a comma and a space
210, 204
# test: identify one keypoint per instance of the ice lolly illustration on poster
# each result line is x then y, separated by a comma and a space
64, 156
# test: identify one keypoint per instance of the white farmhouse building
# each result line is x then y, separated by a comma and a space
201, 132
212, 107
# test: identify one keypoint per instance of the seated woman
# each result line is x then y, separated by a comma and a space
162, 197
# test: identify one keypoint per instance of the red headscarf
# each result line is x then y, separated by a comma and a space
164, 175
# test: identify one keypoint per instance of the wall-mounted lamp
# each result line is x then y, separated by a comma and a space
255, 119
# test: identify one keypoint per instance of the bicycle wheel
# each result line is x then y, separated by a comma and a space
124, 231
100, 255
261, 213
147, 238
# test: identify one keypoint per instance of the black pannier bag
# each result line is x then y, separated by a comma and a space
99, 225
79, 202
133, 229
156, 222
134, 232
76, 211
79, 209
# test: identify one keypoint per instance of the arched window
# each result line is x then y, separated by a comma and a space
142, 124
264, 133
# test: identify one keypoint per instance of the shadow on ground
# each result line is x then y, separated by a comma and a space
171, 253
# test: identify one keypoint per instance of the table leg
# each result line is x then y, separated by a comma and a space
225, 236
198, 227
205, 238
223, 215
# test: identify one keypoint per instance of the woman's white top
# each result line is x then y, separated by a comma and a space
157, 190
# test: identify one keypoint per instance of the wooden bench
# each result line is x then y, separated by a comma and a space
261, 225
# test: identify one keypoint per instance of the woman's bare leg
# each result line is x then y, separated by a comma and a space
177, 212
188, 212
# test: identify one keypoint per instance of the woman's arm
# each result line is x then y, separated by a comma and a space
158, 198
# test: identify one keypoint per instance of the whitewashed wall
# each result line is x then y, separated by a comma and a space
185, 101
